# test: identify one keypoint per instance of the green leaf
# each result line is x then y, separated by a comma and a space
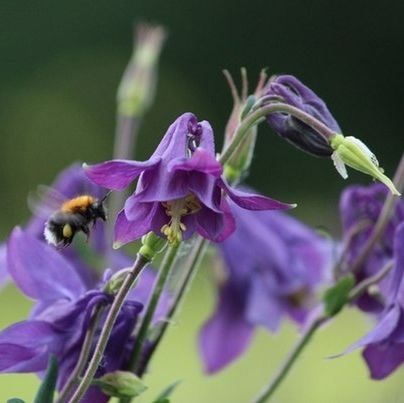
47, 388
337, 296
122, 384
163, 397
15, 400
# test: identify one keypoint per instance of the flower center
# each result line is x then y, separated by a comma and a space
176, 209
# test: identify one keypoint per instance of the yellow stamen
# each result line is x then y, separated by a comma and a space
176, 209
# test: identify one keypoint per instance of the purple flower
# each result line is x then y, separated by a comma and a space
384, 345
291, 91
60, 318
360, 207
180, 188
273, 265
70, 183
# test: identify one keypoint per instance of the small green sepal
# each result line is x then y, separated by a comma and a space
163, 397
121, 384
336, 297
352, 152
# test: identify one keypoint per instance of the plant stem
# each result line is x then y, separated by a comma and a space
294, 354
321, 318
190, 268
113, 313
383, 219
264, 111
84, 354
158, 287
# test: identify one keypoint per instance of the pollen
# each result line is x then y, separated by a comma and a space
78, 204
176, 209
67, 231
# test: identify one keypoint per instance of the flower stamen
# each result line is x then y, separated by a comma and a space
176, 209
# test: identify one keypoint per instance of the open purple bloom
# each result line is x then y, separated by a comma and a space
60, 318
290, 90
360, 207
273, 264
180, 188
384, 345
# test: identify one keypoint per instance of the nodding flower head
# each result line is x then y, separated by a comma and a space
289, 89
180, 189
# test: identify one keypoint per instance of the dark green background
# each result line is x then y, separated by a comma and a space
61, 63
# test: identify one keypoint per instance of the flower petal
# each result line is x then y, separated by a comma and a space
25, 346
200, 161
381, 331
118, 174
252, 201
39, 270
129, 230
226, 335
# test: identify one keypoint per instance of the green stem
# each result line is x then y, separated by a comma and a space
161, 280
84, 354
383, 219
106, 331
190, 269
269, 390
255, 117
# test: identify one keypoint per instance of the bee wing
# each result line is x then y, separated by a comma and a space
45, 201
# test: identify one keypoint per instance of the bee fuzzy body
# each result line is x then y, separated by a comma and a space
74, 215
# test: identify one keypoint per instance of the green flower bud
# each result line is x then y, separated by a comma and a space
121, 384
152, 244
352, 152
136, 90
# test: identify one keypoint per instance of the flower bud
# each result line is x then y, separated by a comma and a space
121, 384
136, 90
352, 152
152, 245
290, 90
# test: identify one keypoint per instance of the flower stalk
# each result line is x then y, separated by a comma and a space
84, 355
116, 306
166, 267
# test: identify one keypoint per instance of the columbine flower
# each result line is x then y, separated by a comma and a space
273, 264
384, 345
290, 90
360, 207
180, 188
61, 316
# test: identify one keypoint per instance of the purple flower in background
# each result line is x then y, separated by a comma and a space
61, 316
384, 345
273, 264
360, 207
290, 90
70, 183
180, 188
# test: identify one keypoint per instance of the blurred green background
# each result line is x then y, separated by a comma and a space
60, 65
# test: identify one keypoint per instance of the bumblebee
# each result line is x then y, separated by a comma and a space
74, 215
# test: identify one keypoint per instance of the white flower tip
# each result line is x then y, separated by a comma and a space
84, 165
339, 165
117, 245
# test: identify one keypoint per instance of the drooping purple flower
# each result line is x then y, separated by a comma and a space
273, 264
180, 188
384, 345
290, 90
360, 207
61, 315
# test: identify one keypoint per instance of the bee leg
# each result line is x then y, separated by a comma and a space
86, 230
